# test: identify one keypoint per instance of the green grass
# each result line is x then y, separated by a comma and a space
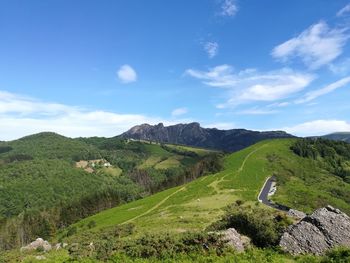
199, 151
150, 161
194, 206
170, 162
197, 204
155, 149
113, 171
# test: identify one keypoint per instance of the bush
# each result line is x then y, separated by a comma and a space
261, 225
337, 255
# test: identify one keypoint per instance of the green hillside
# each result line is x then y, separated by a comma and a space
302, 184
163, 222
40, 180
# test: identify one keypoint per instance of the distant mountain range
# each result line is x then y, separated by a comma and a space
338, 136
193, 134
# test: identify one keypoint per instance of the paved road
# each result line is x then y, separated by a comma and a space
264, 194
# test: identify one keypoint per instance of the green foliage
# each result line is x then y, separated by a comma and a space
41, 190
263, 226
337, 255
332, 155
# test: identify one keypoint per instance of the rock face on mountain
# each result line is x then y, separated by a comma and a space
324, 229
193, 134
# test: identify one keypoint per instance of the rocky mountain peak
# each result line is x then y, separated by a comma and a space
193, 134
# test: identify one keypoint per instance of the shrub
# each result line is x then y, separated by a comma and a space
261, 225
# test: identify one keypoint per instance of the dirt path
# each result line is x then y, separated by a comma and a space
247, 157
154, 207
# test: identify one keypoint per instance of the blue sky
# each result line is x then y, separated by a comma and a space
84, 68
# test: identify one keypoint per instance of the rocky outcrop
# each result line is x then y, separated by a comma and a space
193, 134
233, 239
324, 229
39, 243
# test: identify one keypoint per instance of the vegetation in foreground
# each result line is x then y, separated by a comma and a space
42, 190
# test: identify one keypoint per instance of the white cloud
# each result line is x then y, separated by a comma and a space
320, 92
340, 68
279, 104
179, 111
316, 46
212, 49
127, 74
229, 8
20, 116
257, 111
221, 125
250, 85
318, 127
344, 11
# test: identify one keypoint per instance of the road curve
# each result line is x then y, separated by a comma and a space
264, 195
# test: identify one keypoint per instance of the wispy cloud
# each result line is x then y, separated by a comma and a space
316, 46
229, 8
318, 127
251, 85
212, 49
344, 11
21, 115
127, 74
340, 68
179, 112
323, 91
256, 111
279, 104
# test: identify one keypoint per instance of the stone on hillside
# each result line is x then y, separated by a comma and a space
296, 213
324, 229
233, 239
39, 243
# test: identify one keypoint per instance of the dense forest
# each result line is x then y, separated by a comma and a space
333, 156
42, 190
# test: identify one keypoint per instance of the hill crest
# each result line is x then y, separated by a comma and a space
193, 134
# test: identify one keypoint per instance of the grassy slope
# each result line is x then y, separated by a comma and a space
162, 159
195, 205
51, 178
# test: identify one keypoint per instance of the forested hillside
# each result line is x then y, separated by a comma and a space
43, 189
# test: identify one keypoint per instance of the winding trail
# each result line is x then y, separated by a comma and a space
154, 207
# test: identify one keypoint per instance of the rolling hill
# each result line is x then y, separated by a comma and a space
302, 184
338, 136
193, 134
40, 180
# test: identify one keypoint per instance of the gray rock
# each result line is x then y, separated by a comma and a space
194, 135
37, 244
233, 239
324, 229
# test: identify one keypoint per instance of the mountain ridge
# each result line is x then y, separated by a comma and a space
338, 136
192, 134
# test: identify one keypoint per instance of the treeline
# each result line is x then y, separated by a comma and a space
332, 155
154, 180
30, 224
179, 151
42, 192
